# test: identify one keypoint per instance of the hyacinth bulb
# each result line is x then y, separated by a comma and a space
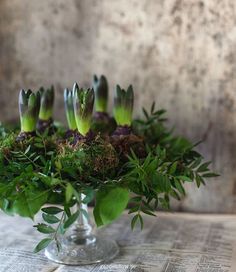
29, 105
70, 116
83, 101
46, 103
100, 87
123, 106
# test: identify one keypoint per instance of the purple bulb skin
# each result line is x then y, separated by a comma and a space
89, 137
122, 130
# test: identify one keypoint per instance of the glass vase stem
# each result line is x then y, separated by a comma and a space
79, 246
82, 229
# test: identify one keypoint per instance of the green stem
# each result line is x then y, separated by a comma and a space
56, 232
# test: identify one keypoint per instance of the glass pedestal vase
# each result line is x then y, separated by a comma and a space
79, 246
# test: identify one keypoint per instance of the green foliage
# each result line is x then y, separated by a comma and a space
110, 203
156, 178
49, 218
71, 220
21, 167
69, 192
28, 203
6, 143
152, 127
52, 210
63, 221
42, 244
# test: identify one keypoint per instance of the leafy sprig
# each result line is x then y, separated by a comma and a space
156, 179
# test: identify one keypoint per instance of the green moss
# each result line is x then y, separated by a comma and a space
83, 161
7, 144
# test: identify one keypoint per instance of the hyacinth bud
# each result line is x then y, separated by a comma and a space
100, 87
70, 116
123, 106
46, 103
83, 101
29, 105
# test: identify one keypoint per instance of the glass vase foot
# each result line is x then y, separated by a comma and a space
81, 252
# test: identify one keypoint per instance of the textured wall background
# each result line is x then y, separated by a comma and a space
180, 53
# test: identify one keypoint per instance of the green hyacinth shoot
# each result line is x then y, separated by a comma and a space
123, 106
46, 103
100, 87
83, 101
29, 105
70, 115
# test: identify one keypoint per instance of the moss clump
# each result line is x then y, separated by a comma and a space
83, 161
6, 144
123, 145
11, 148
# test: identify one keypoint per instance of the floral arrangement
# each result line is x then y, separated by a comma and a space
115, 162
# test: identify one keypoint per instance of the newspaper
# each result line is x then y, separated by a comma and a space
170, 242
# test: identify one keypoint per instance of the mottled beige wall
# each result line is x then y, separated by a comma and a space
180, 53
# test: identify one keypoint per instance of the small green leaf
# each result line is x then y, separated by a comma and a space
43, 160
175, 195
203, 167
185, 178
196, 163
67, 210
52, 210
97, 217
45, 228
145, 113
89, 195
198, 181
173, 168
136, 199
161, 182
153, 108
49, 218
202, 180
210, 175
148, 212
134, 209
141, 221
39, 145
42, 244
27, 149
134, 221
58, 165
69, 192
179, 187
77, 195
71, 220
